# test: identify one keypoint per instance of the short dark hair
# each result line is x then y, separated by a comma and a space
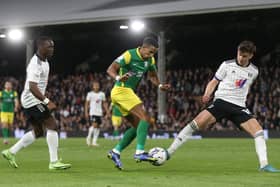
247, 46
42, 39
150, 41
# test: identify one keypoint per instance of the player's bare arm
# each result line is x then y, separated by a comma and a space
86, 109
106, 108
155, 80
209, 90
17, 105
37, 93
113, 70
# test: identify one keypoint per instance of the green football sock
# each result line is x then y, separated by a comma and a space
5, 132
116, 133
142, 131
128, 137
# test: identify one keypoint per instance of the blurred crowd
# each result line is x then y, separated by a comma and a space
183, 101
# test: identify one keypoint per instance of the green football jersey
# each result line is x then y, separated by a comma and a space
8, 100
116, 111
132, 62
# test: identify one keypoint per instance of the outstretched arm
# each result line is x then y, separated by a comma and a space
155, 80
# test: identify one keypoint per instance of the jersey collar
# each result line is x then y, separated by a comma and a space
138, 53
242, 66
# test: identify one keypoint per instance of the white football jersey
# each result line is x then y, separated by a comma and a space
95, 102
37, 71
235, 82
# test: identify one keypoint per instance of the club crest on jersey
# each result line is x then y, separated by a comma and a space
250, 74
240, 83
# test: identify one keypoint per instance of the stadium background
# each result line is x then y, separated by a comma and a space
200, 35
196, 45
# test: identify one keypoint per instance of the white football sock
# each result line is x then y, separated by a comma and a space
183, 136
95, 135
90, 132
261, 148
25, 141
52, 140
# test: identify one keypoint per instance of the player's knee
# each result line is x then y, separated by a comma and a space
259, 133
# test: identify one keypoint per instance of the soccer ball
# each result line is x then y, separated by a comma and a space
160, 154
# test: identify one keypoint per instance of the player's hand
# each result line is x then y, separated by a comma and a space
124, 77
205, 99
51, 106
165, 87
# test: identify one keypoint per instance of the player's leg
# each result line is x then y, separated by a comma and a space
27, 139
202, 120
116, 122
129, 134
142, 131
90, 132
52, 141
128, 137
5, 126
96, 130
255, 130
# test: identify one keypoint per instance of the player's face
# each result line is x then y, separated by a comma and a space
95, 86
8, 86
243, 58
148, 51
48, 48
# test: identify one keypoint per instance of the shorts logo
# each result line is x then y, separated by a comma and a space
211, 106
246, 110
41, 108
240, 83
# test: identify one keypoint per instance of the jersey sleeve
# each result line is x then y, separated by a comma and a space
0, 94
221, 72
153, 66
124, 59
88, 97
103, 96
15, 94
33, 73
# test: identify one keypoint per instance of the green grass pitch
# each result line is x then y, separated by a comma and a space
206, 162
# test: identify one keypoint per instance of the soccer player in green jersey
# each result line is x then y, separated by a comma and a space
10, 104
128, 70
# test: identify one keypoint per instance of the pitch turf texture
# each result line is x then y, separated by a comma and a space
206, 162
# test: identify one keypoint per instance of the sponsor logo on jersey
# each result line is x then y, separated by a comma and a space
240, 83
145, 64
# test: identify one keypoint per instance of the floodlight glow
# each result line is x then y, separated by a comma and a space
15, 34
2, 35
123, 27
137, 26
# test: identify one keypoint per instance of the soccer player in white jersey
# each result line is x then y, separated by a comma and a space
95, 100
37, 107
234, 78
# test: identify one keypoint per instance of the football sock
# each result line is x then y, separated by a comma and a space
128, 137
52, 140
95, 135
142, 131
90, 132
261, 148
26, 140
183, 136
5, 133
116, 133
